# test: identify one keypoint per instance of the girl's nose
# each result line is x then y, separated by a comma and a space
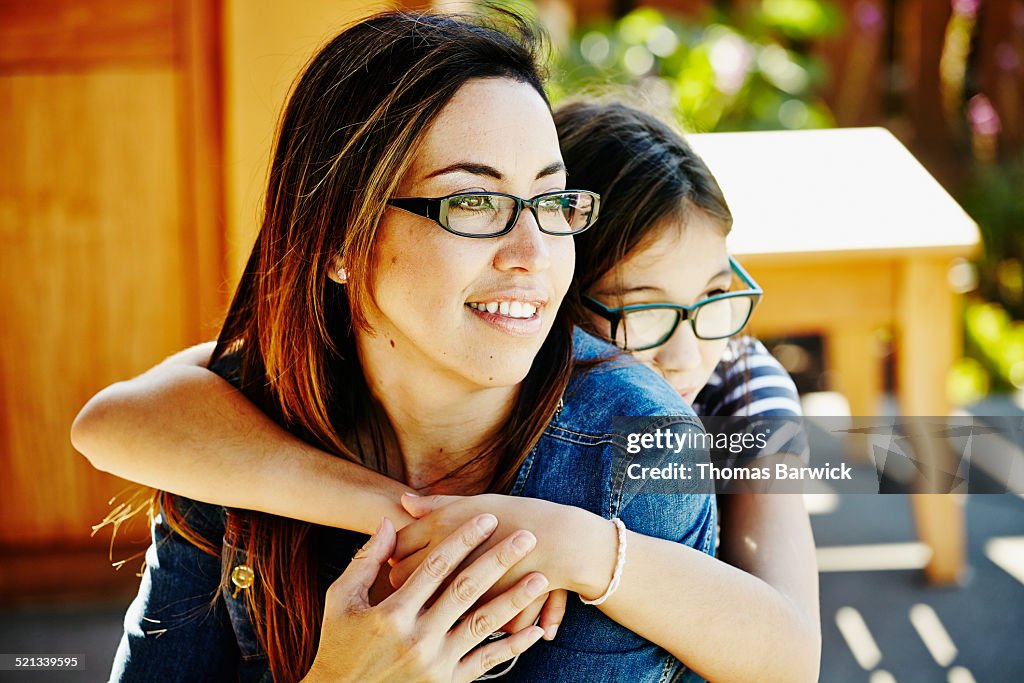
681, 353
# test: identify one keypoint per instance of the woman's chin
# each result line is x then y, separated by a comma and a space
504, 372
505, 377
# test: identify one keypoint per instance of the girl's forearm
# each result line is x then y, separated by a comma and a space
183, 429
723, 622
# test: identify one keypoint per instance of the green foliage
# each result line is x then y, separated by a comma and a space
994, 327
800, 19
995, 199
996, 342
712, 75
968, 382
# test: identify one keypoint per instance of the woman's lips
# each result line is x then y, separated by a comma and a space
518, 327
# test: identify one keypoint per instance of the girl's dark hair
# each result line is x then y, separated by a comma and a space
350, 130
645, 173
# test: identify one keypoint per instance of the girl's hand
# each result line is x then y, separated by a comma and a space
401, 639
555, 526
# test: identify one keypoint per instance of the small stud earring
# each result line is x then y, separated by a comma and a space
342, 275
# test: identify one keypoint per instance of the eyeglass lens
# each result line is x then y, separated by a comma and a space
483, 214
652, 326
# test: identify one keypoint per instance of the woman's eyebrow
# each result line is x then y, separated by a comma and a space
490, 171
467, 167
552, 169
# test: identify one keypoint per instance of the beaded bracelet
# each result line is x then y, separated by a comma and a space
620, 562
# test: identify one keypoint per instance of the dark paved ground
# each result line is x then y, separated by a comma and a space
90, 631
984, 618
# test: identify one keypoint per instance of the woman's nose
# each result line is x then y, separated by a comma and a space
525, 247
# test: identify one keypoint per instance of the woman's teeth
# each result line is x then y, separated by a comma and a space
509, 309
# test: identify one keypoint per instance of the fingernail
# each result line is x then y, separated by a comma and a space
524, 541
487, 523
550, 631
410, 494
536, 583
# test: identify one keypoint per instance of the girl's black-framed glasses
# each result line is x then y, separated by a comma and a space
493, 214
645, 326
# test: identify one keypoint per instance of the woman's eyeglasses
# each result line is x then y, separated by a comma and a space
493, 214
645, 326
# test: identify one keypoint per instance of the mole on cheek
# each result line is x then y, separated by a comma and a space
394, 260
392, 343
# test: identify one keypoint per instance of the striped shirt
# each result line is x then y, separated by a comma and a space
750, 383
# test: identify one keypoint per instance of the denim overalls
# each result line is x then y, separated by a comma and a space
176, 631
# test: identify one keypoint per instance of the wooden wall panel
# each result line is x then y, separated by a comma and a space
111, 252
201, 125
266, 43
56, 34
93, 270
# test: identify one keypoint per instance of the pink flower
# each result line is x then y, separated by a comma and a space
868, 15
982, 116
966, 8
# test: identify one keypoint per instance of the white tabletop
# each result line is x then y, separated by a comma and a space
833, 192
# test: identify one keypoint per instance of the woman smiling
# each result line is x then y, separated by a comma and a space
400, 310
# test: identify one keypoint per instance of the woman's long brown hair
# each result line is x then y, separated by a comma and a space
347, 136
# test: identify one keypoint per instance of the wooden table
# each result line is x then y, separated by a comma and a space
849, 235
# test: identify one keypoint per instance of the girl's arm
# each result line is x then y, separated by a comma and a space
757, 621
225, 450
723, 622
769, 536
181, 428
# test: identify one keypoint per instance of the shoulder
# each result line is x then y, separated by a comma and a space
749, 381
228, 366
607, 382
583, 458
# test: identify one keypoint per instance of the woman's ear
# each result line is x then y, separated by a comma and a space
337, 272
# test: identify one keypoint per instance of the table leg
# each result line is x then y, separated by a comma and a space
853, 361
855, 371
927, 344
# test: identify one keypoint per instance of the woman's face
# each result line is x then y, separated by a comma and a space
680, 264
495, 135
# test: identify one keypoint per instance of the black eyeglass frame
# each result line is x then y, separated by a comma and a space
615, 316
436, 209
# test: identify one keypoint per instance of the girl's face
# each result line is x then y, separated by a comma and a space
495, 135
679, 264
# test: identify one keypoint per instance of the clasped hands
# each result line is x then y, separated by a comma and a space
463, 569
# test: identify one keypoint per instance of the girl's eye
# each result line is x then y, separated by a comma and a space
713, 292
